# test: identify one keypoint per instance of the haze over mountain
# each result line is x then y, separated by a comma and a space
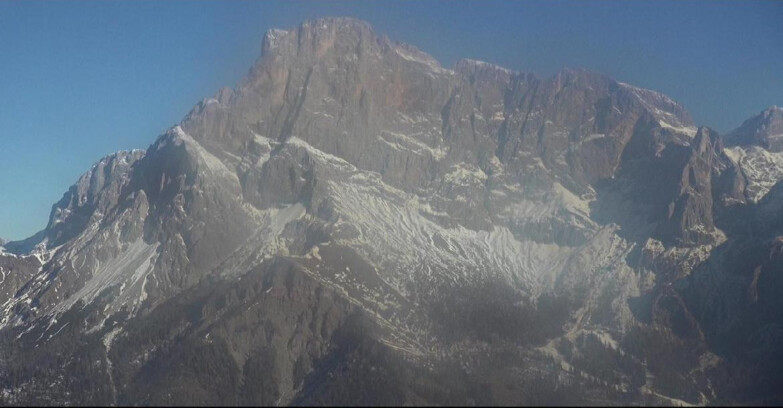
81, 79
355, 223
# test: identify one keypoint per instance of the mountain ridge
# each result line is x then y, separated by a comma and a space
354, 206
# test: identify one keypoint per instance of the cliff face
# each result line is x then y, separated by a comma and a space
356, 223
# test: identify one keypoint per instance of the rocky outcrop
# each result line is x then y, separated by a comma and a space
689, 219
15, 272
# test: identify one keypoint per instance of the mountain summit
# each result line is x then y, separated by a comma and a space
355, 223
764, 129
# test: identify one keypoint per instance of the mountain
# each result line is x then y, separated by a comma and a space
757, 146
356, 224
764, 129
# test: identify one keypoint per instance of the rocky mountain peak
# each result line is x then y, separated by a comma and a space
764, 130
667, 112
316, 36
95, 193
353, 207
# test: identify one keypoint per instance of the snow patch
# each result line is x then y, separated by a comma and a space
762, 169
274, 36
465, 174
401, 142
490, 65
209, 160
686, 130
129, 267
422, 58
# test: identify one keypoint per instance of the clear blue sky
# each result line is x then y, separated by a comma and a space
79, 80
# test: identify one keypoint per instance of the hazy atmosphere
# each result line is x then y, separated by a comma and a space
82, 79
391, 203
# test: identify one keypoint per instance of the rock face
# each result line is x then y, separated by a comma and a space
355, 223
757, 149
764, 130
